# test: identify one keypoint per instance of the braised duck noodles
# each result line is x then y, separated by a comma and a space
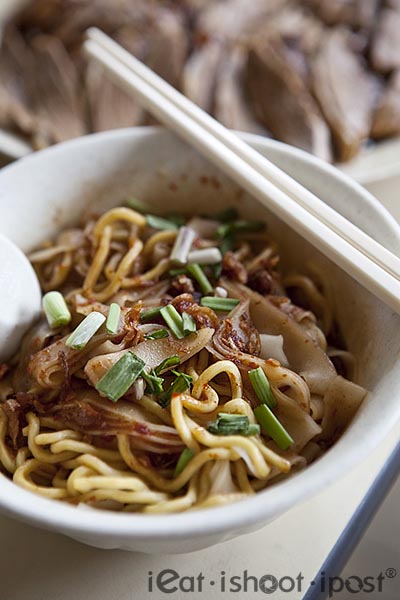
175, 367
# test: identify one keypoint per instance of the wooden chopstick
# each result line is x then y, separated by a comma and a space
363, 258
353, 234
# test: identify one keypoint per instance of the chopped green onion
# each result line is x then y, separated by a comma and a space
226, 244
227, 215
175, 272
167, 363
219, 304
113, 318
176, 218
197, 272
216, 270
180, 385
137, 205
273, 427
229, 229
205, 256
85, 330
189, 324
232, 424
182, 245
184, 459
160, 223
56, 309
157, 335
154, 382
117, 381
173, 319
151, 313
260, 383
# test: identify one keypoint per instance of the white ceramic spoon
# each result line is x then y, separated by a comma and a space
20, 297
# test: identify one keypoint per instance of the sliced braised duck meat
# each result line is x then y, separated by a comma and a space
354, 13
281, 100
42, 15
346, 92
167, 46
230, 19
231, 105
54, 86
109, 17
387, 115
15, 58
102, 93
385, 51
200, 74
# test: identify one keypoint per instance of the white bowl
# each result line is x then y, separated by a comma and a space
51, 189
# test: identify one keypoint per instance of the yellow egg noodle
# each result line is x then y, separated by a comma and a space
237, 385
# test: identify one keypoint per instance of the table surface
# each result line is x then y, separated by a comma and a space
37, 565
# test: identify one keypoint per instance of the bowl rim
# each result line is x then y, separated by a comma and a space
58, 516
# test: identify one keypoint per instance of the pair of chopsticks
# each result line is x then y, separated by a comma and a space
367, 261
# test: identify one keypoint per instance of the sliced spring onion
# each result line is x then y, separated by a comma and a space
137, 205
260, 383
226, 244
160, 223
173, 319
184, 459
167, 363
216, 270
85, 330
180, 385
176, 218
113, 318
198, 274
205, 256
231, 424
55, 309
175, 272
273, 427
219, 304
189, 324
227, 215
117, 381
154, 382
156, 335
182, 245
229, 229
151, 313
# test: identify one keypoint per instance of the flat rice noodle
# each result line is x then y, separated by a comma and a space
152, 352
305, 356
342, 400
296, 421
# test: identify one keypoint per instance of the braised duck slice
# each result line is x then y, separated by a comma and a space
231, 104
200, 74
387, 115
55, 90
345, 91
231, 19
385, 51
281, 100
354, 13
